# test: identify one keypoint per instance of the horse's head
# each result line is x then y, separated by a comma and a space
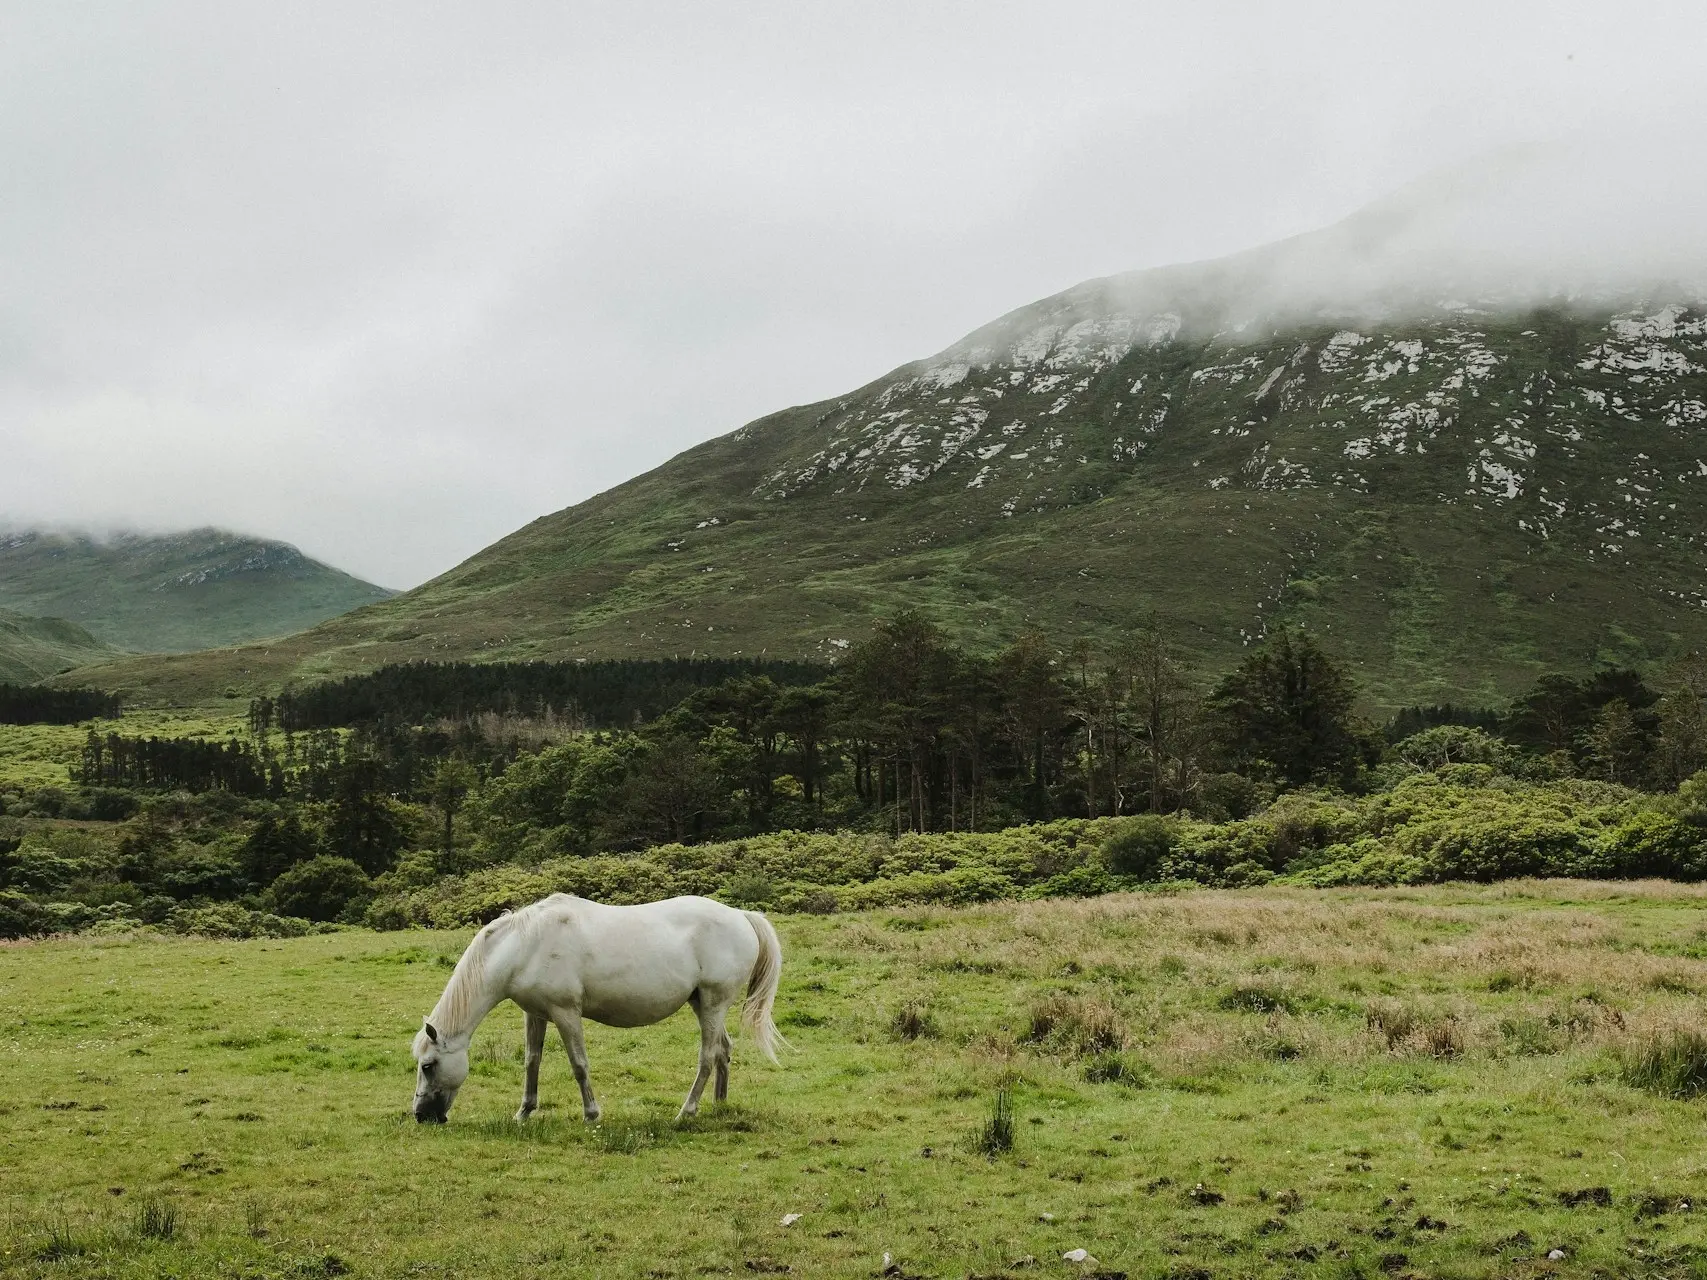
439, 1073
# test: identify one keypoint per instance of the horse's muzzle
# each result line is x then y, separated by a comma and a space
432, 1111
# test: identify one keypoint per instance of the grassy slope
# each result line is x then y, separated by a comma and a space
175, 592
31, 648
1238, 510
261, 1089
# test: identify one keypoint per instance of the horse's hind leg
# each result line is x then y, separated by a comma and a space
535, 1051
569, 1027
713, 1056
722, 1090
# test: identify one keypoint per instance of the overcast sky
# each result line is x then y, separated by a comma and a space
389, 282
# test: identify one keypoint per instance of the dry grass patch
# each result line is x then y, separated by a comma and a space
1076, 1025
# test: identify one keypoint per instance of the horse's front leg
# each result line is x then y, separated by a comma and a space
569, 1027
536, 1025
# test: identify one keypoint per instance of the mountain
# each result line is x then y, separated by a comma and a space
1457, 483
173, 592
31, 648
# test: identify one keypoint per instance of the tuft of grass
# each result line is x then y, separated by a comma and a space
1442, 1037
157, 1219
629, 1137
1258, 997
255, 1218
1671, 1063
913, 1021
1116, 1068
1393, 1021
62, 1242
1529, 1037
997, 1135
1082, 1025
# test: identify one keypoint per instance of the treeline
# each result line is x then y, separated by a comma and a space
173, 764
31, 704
913, 744
606, 694
910, 732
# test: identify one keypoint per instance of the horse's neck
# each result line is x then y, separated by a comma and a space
476, 988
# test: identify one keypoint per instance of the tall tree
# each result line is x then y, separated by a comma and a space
364, 824
1035, 703
448, 786
893, 694
1682, 746
1612, 745
1286, 710
671, 791
803, 715
278, 842
1164, 708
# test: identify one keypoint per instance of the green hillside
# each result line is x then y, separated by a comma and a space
173, 592
1456, 496
31, 648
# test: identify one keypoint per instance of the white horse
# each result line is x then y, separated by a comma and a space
565, 958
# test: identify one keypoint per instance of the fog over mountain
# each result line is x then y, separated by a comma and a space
388, 285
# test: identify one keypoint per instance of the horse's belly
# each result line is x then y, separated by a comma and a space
632, 1008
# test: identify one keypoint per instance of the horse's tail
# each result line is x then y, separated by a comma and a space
761, 988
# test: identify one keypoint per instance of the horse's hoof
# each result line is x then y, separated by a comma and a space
592, 1116
523, 1114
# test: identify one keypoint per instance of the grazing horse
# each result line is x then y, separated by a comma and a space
565, 958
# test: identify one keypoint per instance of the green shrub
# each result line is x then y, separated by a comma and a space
320, 889
21, 916
1449, 744
752, 889
1079, 882
228, 920
1511, 844
1366, 862
1224, 797
1138, 847
1650, 843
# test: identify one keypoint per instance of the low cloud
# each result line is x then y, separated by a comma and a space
391, 284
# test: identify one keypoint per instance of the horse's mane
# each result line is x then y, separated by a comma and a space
467, 982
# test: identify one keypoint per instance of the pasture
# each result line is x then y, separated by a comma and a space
1446, 1081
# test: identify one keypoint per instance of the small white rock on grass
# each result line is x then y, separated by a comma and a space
789, 1219
1079, 1255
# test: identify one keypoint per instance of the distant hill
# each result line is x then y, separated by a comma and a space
1457, 491
31, 648
173, 592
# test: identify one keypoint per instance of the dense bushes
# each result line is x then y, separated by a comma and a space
320, 889
182, 865
1463, 822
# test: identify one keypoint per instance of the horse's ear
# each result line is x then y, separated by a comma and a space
432, 1031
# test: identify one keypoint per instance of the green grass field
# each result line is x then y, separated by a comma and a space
1217, 1084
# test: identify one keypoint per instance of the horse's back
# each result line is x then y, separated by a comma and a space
624, 964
